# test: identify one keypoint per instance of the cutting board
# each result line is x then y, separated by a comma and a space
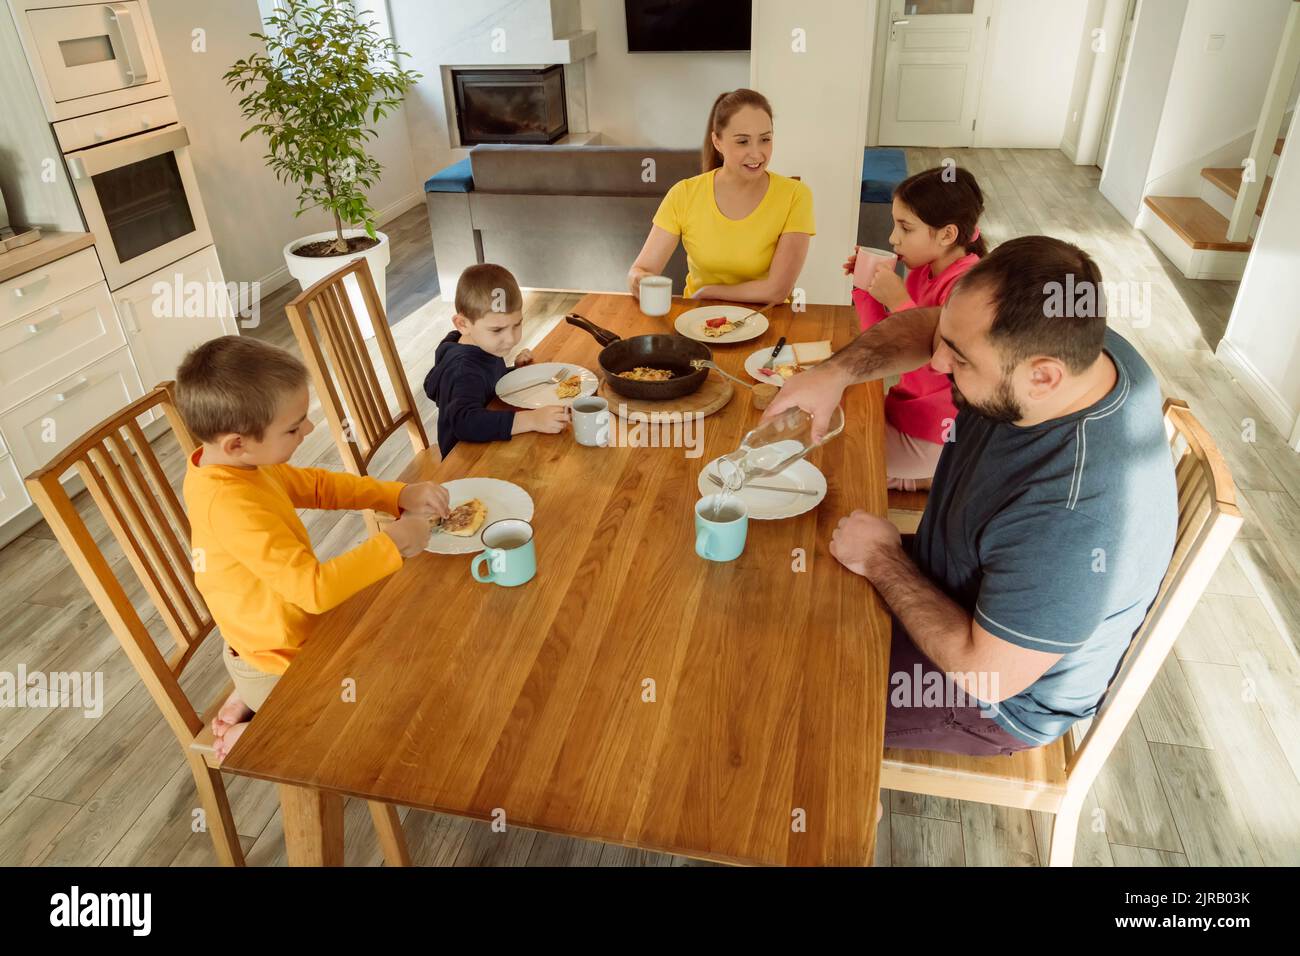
708, 398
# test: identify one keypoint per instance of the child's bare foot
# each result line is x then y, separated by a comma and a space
228, 740
233, 711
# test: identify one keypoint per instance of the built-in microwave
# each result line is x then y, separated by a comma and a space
89, 56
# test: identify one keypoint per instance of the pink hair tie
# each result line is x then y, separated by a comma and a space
975, 235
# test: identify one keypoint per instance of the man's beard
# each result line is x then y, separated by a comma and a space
1003, 407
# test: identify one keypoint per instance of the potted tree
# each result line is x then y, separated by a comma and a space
325, 76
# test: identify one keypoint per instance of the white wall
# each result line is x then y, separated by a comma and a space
651, 99
820, 101
1262, 342
1029, 66
251, 214
1214, 98
1155, 43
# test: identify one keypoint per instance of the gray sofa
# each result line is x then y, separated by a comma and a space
558, 217
575, 217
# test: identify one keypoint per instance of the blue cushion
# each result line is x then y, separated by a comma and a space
456, 178
882, 170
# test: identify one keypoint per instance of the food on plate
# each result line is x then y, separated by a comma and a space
713, 328
810, 353
570, 387
644, 373
464, 520
789, 370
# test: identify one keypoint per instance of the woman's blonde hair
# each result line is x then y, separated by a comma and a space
724, 108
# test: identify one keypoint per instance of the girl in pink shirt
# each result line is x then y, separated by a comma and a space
936, 235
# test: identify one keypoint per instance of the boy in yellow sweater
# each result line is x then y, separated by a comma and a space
247, 401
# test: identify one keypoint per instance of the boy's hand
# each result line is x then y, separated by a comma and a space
549, 419
523, 358
410, 533
425, 498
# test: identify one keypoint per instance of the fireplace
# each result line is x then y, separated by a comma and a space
510, 106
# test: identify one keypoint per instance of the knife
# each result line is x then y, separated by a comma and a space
767, 366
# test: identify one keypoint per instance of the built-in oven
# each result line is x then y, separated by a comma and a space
134, 178
89, 56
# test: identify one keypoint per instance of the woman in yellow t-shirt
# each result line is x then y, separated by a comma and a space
746, 230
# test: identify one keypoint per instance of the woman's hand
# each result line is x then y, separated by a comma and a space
634, 277
888, 289
525, 357
709, 292
851, 262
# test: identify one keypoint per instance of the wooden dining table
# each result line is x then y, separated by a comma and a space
631, 692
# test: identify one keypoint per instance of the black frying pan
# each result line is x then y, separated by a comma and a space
673, 352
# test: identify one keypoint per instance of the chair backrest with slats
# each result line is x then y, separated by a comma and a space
127, 483
1208, 519
323, 315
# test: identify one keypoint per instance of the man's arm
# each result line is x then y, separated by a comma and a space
898, 344
947, 635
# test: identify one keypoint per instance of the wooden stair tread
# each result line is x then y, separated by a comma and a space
1277, 147
1196, 222
1228, 179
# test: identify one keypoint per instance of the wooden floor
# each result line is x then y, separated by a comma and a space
1206, 775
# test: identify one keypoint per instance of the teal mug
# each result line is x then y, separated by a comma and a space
510, 556
720, 525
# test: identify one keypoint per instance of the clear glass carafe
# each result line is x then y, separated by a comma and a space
774, 446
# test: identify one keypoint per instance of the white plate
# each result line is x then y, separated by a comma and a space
542, 393
773, 505
502, 500
756, 361
690, 323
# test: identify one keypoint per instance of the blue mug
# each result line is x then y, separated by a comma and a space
720, 533
510, 556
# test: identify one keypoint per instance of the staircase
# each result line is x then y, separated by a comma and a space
1208, 236
1193, 230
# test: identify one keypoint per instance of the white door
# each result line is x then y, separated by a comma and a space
933, 63
1116, 81
168, 313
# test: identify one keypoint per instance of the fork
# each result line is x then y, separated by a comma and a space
555, 379
794, 491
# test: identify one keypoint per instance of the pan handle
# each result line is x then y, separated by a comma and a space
604, 336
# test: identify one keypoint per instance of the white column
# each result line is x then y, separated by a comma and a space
813, 62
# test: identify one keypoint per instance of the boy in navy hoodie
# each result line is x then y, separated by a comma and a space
469, 361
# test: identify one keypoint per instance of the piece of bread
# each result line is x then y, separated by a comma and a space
810, 353
570, 387
465, 519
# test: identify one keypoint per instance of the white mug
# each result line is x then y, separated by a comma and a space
591, 421
656, 295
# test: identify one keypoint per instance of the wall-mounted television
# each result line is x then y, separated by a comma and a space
674, 26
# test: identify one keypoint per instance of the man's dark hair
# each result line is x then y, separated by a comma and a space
1048, 298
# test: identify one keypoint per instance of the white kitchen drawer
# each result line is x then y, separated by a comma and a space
51, 344
101, 127
46, 424
46, 285
13, 496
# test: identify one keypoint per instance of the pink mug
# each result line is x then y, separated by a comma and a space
869, 260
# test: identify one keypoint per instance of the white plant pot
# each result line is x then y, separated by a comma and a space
309, 270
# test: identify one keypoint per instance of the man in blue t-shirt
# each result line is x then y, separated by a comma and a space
1052, 514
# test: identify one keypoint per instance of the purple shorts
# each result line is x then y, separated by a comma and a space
960, 728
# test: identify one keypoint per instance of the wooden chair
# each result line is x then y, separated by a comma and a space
323, 314
1056, 778
905, 509
127, 483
